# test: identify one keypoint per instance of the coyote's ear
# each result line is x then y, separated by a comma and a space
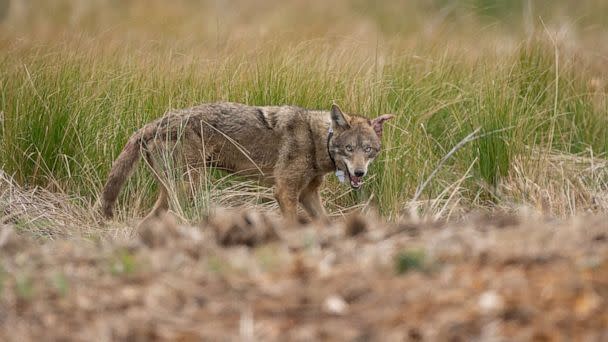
379, 121
337, 118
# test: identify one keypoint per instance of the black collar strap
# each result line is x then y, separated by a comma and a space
329, 135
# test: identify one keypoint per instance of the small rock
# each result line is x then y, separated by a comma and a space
335, 305
586, 304
490, 302
243, 227
156, 233
354, 225
9, 240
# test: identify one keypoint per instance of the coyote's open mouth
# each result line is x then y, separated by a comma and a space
355, 182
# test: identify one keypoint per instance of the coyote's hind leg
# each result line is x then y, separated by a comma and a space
161, 206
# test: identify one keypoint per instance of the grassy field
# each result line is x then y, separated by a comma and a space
483, 219
499, 104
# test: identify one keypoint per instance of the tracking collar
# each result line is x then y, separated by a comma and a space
339, 173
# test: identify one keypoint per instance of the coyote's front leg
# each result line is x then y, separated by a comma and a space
311, 200
286, 194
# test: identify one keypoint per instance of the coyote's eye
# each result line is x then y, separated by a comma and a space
349, 148
368, 149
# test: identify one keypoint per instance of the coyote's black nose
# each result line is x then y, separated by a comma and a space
359, 173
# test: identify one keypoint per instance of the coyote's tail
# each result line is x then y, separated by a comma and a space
121, 170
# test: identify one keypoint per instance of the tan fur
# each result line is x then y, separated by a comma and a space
283, 146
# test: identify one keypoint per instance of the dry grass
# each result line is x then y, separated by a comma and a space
570, 184
77, 83
40, 213
501, 111
502, 277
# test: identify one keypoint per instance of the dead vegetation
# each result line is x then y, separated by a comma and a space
243, 274
79, 76
42, 213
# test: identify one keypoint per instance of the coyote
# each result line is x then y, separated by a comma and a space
289, 147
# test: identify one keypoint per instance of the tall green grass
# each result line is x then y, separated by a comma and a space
68, 110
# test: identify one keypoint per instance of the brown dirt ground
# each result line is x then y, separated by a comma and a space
242, 275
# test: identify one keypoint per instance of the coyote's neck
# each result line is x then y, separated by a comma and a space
323, 136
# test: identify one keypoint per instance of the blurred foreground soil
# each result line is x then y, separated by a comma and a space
243, 275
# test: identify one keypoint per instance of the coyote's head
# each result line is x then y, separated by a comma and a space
355, 143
